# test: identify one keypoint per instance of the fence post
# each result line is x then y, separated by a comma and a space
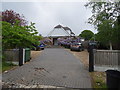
118, 61
91, 59
20, 56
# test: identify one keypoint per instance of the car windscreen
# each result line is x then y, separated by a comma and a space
76, 43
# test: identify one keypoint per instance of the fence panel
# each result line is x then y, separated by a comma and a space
107, 58
12, 55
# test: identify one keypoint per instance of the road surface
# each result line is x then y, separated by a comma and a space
53, 67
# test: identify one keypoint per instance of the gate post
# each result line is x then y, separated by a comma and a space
20, 56
91, 59
118, 60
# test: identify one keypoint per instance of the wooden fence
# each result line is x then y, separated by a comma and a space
107, 59
12, 55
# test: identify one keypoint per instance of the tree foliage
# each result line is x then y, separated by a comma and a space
12, 17
103, 11
87, 34
106, 20
15, 31
18, 36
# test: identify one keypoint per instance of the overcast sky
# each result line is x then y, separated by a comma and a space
47, 15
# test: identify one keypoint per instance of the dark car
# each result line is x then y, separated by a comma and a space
42, 46
76, 46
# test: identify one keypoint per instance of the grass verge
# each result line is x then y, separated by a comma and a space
7, 66
98, 80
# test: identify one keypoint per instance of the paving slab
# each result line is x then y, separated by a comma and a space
53, 67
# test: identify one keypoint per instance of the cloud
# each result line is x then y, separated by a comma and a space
47, 15
44, 0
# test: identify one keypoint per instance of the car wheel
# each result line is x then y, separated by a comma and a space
42, 48
80, 50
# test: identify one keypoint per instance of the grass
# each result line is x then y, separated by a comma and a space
99, 80
7, 66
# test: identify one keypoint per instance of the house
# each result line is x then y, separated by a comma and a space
60, 32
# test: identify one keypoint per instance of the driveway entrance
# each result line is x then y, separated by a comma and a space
55, 67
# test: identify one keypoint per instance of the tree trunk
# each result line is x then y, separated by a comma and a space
110, 45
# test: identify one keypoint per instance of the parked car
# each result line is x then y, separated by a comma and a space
42, 46
76, 46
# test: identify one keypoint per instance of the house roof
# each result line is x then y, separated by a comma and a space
66, 28
59, 30
58, 26
72, 33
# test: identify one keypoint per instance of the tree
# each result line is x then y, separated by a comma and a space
18, 36
16, 33
104, 18
87, 34
11, 17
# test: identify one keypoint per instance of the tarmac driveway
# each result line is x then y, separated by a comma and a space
55, 67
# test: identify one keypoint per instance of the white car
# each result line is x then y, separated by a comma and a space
76, 46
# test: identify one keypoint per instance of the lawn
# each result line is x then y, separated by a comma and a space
99, 80
7, 66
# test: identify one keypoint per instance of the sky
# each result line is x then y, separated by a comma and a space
47, 15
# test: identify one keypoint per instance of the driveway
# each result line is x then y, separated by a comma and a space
54, 67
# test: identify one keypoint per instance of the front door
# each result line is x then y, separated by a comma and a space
55, 42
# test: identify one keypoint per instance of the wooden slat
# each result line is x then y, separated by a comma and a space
106, 57
12, 55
